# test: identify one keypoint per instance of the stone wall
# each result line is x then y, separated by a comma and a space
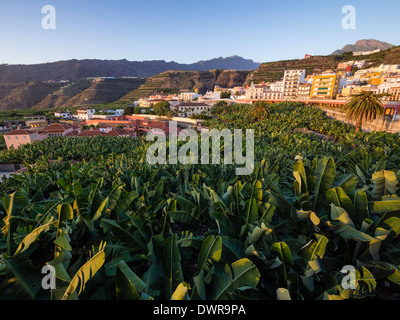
380, 124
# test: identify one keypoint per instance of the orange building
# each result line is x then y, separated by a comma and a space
19, 137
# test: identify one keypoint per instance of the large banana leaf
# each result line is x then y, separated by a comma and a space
85, 273
251, 215
33, 236
210, 250
181, 292
387, 204
26, 274
128, 285
12, 204
385, 183
339, 198
325, 176
242, 273
172, 265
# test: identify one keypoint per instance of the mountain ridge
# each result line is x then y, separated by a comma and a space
78, 69
364, 45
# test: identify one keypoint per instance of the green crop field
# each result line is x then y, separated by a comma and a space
115, 227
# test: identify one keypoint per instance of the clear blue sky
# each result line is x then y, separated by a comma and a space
187, 31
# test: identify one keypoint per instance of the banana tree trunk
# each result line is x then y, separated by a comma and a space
358, 125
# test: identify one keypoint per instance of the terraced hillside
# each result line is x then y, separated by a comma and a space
85, 92
60, 97
25, 95
274, 71
176, 81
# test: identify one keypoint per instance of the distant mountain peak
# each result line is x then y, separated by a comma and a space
364, 45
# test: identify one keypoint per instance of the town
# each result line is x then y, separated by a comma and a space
331, 88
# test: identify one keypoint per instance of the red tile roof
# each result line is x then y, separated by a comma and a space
73, 133
192, 104
58, 127
91, 133
19, 132
119, 133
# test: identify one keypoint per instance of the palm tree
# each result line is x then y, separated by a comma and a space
364, 106
260, 110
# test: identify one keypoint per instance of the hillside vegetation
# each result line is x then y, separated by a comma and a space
175, 81
274, 71
44, 95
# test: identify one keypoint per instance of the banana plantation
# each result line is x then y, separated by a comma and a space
113, 227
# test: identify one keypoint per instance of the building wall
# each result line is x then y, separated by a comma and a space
325, 86
381, 124
292, 79
18, 140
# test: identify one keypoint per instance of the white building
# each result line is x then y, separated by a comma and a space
188, 96
213, 95
256, 91
388, 83
277, 86
291, 81
61, 114
273, 95
360, 64
85, 113
186, 109
365, 53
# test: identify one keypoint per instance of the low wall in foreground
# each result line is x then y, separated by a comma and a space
380, 124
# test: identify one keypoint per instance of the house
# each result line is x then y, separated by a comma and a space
213, 95
85, 113
35, 121
121, 133
20, 137
291, 81
188, 96
325, 86
394, 93
59, 129
365, 53
273, 95
62, 114
304, 91
186, 109
256, 91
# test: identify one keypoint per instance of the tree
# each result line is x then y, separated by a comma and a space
225, 95
129, 110
364, 106
137, 110
260, 110
162, 108
219, 108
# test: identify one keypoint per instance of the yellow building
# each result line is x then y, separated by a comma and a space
347, 92
35, 121
372, 78
325, 86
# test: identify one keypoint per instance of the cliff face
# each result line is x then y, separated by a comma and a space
175, 81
